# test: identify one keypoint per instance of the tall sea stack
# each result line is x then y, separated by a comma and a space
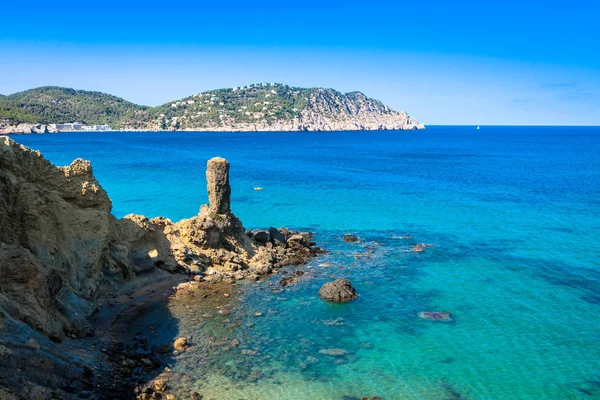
219, 191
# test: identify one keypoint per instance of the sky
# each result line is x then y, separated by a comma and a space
444, 62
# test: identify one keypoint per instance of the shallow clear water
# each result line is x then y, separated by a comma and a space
513, 214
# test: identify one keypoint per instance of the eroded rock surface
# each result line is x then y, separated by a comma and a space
61, 250
338, 291
219, 191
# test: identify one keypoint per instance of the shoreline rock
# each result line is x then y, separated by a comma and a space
349, 238
62, 253
338, 291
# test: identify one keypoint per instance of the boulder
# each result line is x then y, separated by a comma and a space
160, 385
338, 291
277, 238
301, 240
348, 238
180, 344
286, 281
262, 237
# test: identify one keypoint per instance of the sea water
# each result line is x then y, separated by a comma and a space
512, 214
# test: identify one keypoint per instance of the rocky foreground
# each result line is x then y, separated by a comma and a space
63, 254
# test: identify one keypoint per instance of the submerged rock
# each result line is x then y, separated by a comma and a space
436, 315
338, 291
333, 352
348, 238
287, 281
163, 348
420, 247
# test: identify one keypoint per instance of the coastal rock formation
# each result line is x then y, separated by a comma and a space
61, 251
7, 128
338, 291
219, 191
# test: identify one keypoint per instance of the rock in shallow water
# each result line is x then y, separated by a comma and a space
338, 291
180, 344
436, 315
348, 238
333, 352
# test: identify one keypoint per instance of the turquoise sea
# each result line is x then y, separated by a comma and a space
513, 217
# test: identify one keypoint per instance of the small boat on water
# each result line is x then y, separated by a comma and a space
477, 126
257, 188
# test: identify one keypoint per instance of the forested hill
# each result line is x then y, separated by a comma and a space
53, 105
258, 107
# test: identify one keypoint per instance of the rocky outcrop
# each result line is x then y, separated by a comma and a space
61, 250
215, 242
7, 128
338, 291
219, 191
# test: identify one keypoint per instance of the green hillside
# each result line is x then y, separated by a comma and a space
272, 102
51, 105
264, 106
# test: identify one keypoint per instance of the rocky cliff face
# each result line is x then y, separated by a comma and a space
6, 127
61, 250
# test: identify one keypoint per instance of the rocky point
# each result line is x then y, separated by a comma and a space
62, 253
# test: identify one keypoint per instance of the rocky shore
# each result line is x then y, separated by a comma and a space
7, 128
72, 275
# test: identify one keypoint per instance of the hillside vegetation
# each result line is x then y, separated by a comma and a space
254, 107
53, 105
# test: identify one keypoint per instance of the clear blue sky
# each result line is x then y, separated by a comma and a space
444, 62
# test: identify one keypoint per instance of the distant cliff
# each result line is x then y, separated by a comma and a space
259, 107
